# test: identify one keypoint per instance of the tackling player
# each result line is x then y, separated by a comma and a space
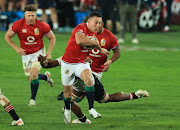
30, 32
4, 101
72, 65
100, 93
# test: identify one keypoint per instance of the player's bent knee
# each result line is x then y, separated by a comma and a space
105, 99
88, 83
36, 65
3, 100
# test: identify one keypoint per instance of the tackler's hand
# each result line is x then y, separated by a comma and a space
41, 58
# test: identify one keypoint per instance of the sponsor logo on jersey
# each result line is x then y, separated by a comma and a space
24, 30
95, 53
30, 40
36, 31
66, 71
103, 42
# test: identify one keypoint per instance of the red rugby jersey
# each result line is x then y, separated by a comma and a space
75, 53
108, 41
31, 37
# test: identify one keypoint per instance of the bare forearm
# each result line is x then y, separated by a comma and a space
114, 57
87, 42
51, 45
50, 64
116, 54
82, 40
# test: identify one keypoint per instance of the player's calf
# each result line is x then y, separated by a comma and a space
4, 101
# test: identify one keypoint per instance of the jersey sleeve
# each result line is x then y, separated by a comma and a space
81, 29
14, 28
46, 29
113, 40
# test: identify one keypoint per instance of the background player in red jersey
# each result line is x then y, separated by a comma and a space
4, 101
108, 41
72, 64
30, 32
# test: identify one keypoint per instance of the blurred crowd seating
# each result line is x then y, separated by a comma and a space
150, 14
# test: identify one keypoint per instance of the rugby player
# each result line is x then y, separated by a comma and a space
4, 101
30, 32
82, 39
100, 93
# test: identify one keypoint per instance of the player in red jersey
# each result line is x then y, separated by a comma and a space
72, 65
30, 32
108, 41
100, 64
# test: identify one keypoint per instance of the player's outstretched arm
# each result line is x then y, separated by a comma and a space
47, 63
8, 39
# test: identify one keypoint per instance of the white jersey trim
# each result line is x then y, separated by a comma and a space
114, 47
48, 33
12, 31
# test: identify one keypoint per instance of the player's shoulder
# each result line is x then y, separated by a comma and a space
106, 31
19, 22
82, 25
80, 28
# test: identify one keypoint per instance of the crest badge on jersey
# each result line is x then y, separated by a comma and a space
103, 42
66, 71
36, 31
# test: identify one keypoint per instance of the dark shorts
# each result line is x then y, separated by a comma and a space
99, 90
45, 4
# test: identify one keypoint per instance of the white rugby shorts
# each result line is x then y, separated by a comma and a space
28, 59
69, 71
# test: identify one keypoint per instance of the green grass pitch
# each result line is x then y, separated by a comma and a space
154, 65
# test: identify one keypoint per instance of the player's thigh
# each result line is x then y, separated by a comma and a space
100, 93
36, 54
28, 59
67, 73
83, 71
79, 85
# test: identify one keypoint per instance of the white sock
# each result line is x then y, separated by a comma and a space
55, 26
